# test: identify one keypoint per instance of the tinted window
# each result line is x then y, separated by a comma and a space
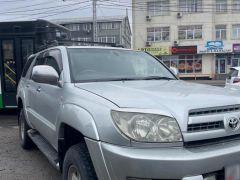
232, 73
56, 54
40, 59
51, 61
27, 65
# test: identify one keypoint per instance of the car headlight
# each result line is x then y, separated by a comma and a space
147, 127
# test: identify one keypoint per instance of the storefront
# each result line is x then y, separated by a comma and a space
222, 54
186, 59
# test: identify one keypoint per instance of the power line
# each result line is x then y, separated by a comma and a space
54, 14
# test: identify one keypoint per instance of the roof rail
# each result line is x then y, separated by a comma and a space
76, 43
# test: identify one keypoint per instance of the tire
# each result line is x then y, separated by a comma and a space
25, 140
77, 159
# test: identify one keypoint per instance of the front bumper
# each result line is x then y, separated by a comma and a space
119, 163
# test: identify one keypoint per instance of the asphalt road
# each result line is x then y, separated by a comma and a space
19, 164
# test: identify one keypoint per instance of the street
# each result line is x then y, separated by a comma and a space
19, 164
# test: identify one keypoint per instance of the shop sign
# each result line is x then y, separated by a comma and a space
184, 50
157, 51
236, 48
215, 47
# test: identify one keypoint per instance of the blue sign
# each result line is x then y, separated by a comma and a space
214, 45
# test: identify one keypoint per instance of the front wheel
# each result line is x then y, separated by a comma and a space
25, 140
77, 164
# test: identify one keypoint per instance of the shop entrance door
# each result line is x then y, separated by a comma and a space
235, 62
221, 66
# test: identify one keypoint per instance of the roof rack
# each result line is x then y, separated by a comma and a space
76, 43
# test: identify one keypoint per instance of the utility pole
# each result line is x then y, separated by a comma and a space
94, 20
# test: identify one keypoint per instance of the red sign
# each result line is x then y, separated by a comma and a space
184, 50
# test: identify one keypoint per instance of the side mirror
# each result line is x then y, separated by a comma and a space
174, 70
45, 74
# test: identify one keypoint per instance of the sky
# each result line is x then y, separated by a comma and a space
18, 10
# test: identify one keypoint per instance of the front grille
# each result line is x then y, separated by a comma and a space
214, 110
205, 126
207, 142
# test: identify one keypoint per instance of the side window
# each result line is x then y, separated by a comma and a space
27, 65
51, 61
40, 59
56, 54
232, 73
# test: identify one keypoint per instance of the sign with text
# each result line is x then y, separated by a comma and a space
157, 51
215, 47
184, 50
236, 48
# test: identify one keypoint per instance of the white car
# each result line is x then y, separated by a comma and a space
233, 78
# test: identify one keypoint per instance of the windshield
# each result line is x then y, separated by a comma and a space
114, 64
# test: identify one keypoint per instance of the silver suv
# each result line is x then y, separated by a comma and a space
118, 114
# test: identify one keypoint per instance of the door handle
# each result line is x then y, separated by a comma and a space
39, 89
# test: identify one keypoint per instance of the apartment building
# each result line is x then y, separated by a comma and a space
115, 29
199, 37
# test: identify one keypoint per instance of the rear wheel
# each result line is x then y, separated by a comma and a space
25, 141
77, 164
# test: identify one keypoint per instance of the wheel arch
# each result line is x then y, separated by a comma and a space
74, 124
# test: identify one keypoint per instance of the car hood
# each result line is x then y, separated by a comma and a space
175, 96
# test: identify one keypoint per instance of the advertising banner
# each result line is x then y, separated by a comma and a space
215, 47
236, 48
176, 50
157, 51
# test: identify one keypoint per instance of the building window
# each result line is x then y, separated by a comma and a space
88, 39
86, 27
236, 6
190, 32
236, 31
155, 34
190, 6
221, 32
109, 26
158, 8
107, 39
186, 64
221, 6
76, 27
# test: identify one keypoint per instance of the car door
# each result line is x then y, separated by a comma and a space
25, 80
31, 93
231, 79
48, 99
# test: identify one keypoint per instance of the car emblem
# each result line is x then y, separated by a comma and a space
234, 123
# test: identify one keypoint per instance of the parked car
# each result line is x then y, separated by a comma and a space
233, 78
118, 114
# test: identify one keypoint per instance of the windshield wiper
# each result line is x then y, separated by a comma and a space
157, 78
124, 79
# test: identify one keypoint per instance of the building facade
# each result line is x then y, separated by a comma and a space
200, 37
109, 29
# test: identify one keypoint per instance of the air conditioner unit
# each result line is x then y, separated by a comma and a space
148, 44
175, 43
179, 15
148, 18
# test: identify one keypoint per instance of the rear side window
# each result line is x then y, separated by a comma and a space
27, 65
232, 73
